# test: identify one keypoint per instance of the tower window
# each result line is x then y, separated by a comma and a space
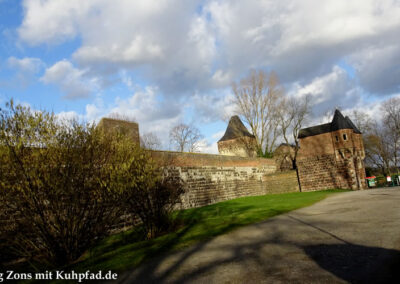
344, 137
337, 138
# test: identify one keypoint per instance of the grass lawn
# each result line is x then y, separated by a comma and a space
123, 251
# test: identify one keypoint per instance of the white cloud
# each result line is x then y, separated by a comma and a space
300, 39
205, 147
28, 65
187, 48
151, 112
26, 69
93, 112
68, 116
71, 81
221, 78
218, 135
52, 21
170, 36
190, 48
212, 107
377, 68
334, 89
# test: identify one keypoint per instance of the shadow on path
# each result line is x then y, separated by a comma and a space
349, 262
354, 263
357, 264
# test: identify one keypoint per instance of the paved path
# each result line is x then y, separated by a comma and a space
350, 237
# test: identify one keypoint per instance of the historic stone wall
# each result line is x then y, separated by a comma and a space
321, 172
332, 160
213, 178
327, 172
316, 145
242, 147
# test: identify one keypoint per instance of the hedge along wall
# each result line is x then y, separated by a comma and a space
213, 178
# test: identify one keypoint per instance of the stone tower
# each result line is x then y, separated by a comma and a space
128, 127
331, 155
237, 140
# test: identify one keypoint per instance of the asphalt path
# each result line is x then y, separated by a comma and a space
350, 237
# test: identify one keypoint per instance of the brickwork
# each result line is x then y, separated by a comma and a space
331, 156
199, 159
213, 178
242, 147
237, 140
321, 172
208, 185
317, 145
128, 127
344, 168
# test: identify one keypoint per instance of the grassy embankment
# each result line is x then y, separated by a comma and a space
124, 251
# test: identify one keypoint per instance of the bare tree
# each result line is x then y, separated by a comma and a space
258, 98
391, 121
150, 141
382, 138
292, 118
185, 137
363, 121
378, 148
391, 114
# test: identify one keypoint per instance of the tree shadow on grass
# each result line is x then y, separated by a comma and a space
129, 249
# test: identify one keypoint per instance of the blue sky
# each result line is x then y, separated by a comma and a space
166, 62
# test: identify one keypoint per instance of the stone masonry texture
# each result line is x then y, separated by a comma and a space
213, 178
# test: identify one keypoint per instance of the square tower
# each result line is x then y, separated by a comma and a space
331, 155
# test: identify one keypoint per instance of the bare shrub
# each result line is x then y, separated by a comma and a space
54, 178
148, 192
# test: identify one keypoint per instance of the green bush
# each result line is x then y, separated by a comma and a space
53, 177
66, 183
147, 191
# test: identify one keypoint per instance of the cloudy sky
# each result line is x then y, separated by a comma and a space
166, 61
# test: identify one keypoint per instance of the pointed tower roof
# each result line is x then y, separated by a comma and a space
338, 122
235, 129
356, 130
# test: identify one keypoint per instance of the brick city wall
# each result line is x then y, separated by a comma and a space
328, 161
323, 172
213, 178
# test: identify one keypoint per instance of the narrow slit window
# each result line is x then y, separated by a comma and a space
344, 137
337, 138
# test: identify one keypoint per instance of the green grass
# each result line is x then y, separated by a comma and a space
123, 251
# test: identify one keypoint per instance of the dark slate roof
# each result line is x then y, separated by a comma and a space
315, 130
353, 126
235, 129
338, 122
